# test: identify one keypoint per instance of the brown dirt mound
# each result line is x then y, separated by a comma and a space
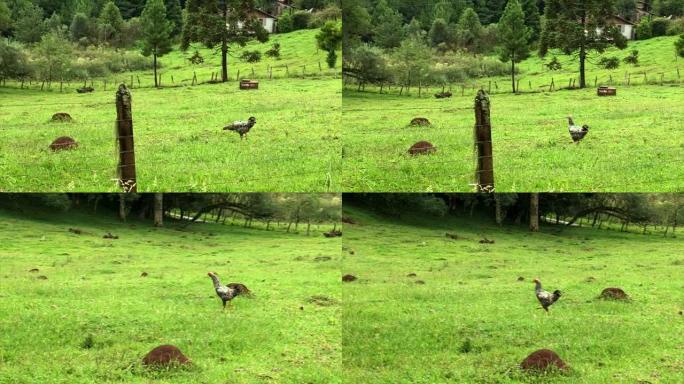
614, 294
62, 117
335, 233
64, 142
42, 277
422, 148
521, 278
443, 95
165, 355
452, 236
543, 360
76, 231
420, 282
86, 90
421, 121
348, 278
487, 241
411, 275
109, 235
144, 274
33, 270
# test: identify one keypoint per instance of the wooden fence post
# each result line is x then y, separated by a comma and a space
483, 135
124, 128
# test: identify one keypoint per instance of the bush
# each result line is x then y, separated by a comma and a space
274, 51
300, 20
285, 23
554, 64
633, 58
196, 58
609, 62
676, 27
251, 56
643, 30
659, 27
679, 46
331, 12
15, 63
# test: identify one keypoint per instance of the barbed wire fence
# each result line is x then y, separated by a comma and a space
481, 178
524, 84
170, 79
123, 171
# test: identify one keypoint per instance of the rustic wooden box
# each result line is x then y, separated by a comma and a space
249, 84
607, 91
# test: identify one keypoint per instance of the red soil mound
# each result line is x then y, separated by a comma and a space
165, 355
422, 148
348, 278
614, 294
63, 142
543, 360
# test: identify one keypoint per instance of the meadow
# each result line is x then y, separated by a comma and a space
94, 316
473, 321
633, 144
180, 144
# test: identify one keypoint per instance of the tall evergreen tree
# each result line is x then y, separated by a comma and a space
28, 26
580, 26
469, 30
221, 22
156, 30
387, 31
532, 18
441, 34
514, 36
110, 22
5, 17
174, 13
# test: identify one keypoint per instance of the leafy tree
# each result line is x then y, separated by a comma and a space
643, 29
156, 30
80, 27
329, 40
580, 26
441, 34
412, 60
5, 17
514, 36
368, 65
669, 7
54, 57
55, 24
300, 20
28, 28
110, 22
626, 8
14, 63
469, 30
414, 30
221, 22
679, 46
174, 13
387, 31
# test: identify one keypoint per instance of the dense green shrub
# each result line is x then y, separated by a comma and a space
659, 27
274, 51
285, 23
300, 20
251, 56
609, 62
633, 58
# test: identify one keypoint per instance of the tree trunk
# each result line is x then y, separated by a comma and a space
534, 212
122, 207
308, 227
224, 47
158, 209
513, 73
583, 52
156, 84
498, 210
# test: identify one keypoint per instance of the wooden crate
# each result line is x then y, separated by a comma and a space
607, 91
249, 84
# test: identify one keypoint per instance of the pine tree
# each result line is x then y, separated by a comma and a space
5, 17
532, 18
514, 36
221, 22
580, 26
387, 31
469, 30
174, 13
110, 22
156, 31
440, 33
28, 26
329, 40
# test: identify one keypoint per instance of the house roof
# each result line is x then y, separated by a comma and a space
265, 13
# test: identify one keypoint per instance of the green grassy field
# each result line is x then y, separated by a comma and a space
180, 144
633, 144
94, 288
474, 322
